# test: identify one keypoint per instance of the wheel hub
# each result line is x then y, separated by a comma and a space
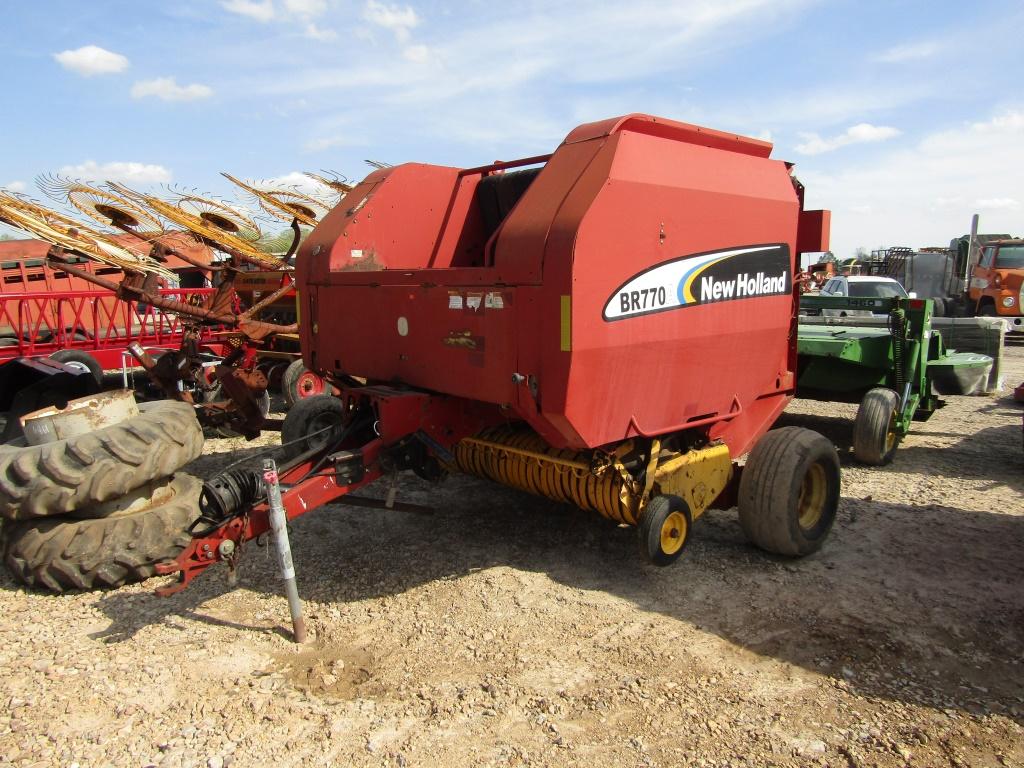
673, 533
813, 493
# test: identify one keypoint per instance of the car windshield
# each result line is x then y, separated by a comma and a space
1010, 257
877, 290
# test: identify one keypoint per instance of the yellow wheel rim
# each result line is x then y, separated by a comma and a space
673, 533
890, 433
813, 494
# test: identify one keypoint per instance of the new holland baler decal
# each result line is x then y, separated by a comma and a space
731, 274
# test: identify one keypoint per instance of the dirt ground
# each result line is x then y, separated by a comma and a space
508, 631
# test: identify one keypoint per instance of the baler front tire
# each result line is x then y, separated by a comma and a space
664, 530
874, 430
314, 422
61, 553
789, 491
58, 478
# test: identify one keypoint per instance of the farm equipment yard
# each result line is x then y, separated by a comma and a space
503, 629
455, 422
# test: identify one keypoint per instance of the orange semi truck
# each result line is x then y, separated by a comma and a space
996, 287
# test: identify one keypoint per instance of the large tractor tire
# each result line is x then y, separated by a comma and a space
874, 430
58, 478
789, 491
61, 553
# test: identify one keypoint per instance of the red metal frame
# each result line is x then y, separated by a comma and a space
108, 323
396, 415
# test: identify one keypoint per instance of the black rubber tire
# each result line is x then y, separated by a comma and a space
72, 356
309, 415
938, 307
668, 513
289, 379
987, 310
871, 428
771, 489
57, 478
62, 553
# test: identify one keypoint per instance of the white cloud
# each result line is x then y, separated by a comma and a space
856, 134
418, 54
127, 172
307, 8
316, 33
400, 20
925, 194
294, 180
15, 186
907, 52
260, 10
997, 204
167, 88
301, 10
92, 60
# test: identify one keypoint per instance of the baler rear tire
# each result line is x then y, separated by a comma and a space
58, 478
789, 491
78, 359
310, 415
664, 530
874, 429
61, 553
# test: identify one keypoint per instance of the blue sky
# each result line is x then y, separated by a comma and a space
903, 117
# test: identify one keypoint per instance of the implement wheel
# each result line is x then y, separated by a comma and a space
789, 491
80, 361
874, 430
664, 529
312, 423
298, 383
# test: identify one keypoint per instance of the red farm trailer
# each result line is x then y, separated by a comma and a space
612, 325
46, 311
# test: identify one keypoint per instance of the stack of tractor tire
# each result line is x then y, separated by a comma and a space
101, 509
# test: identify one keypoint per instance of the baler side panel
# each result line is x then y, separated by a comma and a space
461, 341
521, 242
665, 199
396, 225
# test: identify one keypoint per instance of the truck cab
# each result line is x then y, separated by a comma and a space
997, 281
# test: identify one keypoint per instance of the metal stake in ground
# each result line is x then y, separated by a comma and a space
279, 527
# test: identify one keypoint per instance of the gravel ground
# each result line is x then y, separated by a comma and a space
506, 630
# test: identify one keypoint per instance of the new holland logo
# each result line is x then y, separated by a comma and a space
703, 278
